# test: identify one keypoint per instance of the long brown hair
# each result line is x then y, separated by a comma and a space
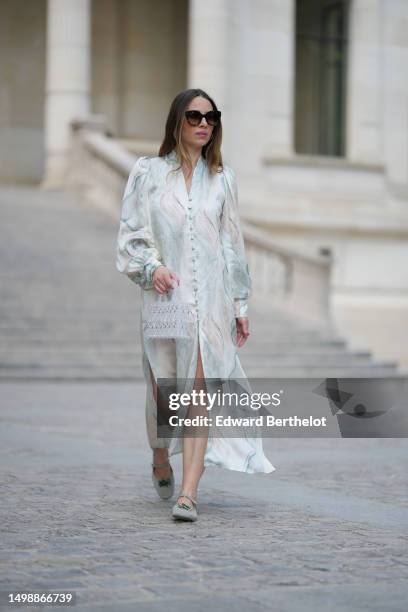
211, 152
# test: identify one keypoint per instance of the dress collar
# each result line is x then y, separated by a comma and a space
174, 158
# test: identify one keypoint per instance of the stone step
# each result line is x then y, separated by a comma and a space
310, 359
113, 354
129, 344
374, 371
45, 332
74, 357
130, 373
72, 373
130, 340
44, 327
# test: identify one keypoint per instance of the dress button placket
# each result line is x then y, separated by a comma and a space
193, 248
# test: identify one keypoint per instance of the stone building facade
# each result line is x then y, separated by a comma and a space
314, 96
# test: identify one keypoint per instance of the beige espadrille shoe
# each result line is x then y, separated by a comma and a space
183, 511
163, 486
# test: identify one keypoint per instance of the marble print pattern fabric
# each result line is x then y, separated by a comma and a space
198, 236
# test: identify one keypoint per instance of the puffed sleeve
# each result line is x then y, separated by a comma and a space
233, 245
137, 255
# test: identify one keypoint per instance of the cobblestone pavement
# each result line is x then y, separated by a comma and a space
327, 530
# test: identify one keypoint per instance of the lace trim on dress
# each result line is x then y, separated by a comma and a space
168, 317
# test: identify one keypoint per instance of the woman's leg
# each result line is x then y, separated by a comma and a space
194, 447
162, 353
160, 455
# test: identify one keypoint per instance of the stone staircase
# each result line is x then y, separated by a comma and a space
282, 347
66, 313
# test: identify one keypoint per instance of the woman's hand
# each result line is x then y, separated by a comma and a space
242, 330
164, 279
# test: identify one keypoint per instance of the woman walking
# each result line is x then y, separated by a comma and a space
180, 240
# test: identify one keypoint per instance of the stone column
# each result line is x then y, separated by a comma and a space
242, 53
106, 61
208, 48
67, 80
395, 109
270, 49
365, 82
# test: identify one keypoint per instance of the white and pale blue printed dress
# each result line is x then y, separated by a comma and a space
198, 236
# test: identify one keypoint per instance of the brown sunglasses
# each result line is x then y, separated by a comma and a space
194, 117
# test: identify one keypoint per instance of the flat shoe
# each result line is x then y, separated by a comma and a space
183, 511
163, 486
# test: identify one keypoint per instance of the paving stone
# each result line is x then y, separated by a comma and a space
82, 514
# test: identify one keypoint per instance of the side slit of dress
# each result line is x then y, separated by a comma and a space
162, 411
200, 431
